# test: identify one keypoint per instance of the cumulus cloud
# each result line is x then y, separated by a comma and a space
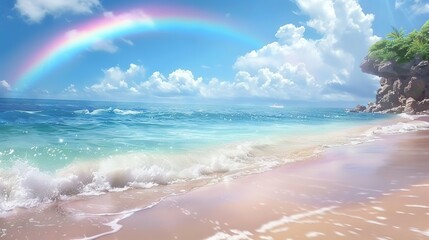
36, 10
178, 83
132, 82
298, 67
293, 67
116, 80
416, 7
290, 34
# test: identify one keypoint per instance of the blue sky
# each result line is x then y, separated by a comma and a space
303, 50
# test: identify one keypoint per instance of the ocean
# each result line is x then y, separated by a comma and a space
51, 149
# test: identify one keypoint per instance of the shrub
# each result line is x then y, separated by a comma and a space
402, 48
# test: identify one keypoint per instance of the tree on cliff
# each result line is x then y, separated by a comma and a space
401, 47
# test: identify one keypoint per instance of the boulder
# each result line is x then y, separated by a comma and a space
411, 106
423, 105
399, 85
371, 107
402, 100
422, 68
389, 100
383, 81
395, 110
383, 91
369, 65
358, 108
415, 88
427, 91
387, 69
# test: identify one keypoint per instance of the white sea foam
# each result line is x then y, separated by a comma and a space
108, 110
400, 127
277, 106
388, 128
411, 117
234, 235
24, 185
314, 234
28, 112
424, 233
417, 206
293, 218
126, 112
93, 112
114, 224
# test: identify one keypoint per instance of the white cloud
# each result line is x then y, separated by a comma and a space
289, 33
265, 83
178, 83
36, 10
122, 83
322, 13
416, 7
108, 45
116, 80
97, 44
5, 86
314, 68
293, 67
131, 17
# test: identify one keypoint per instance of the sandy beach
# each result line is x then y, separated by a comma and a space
377, 190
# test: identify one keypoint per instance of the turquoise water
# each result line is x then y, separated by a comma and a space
73, 147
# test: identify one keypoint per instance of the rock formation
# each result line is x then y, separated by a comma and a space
403, 87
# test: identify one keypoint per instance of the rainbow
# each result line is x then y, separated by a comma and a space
113, 26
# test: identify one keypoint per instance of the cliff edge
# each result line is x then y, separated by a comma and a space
404, 87
401, 62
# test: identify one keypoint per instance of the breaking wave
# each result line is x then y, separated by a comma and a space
108, 110
24, 185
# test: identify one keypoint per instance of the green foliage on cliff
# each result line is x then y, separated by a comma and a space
401, 47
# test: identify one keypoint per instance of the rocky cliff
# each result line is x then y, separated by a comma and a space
403, 87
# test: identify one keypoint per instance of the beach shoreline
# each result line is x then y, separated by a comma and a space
352, 191
378, 190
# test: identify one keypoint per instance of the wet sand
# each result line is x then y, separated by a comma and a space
377, 190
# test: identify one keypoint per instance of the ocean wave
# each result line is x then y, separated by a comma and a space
374, 133
101, 111
28, 112
277, 106
24, 185
126, 112
399, 127
411, 117
93, 112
